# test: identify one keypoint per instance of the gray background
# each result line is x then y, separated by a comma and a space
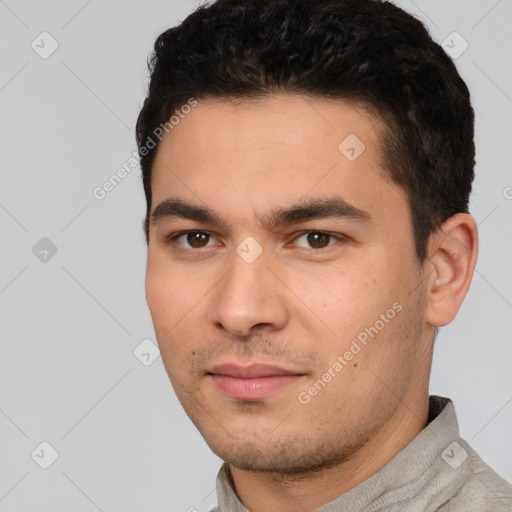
70, 322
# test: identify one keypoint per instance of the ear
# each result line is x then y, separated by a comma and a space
453, 250
145, 229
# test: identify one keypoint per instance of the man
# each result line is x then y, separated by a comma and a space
307, 168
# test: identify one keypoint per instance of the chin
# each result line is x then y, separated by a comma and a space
294, 454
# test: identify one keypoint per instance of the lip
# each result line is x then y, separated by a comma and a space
250, 371
253, 382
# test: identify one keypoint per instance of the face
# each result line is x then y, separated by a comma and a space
282, 280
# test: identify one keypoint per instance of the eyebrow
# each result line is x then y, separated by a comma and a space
332, 207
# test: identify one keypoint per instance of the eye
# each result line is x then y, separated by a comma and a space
316, 240
194, 239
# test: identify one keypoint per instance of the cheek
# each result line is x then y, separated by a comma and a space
343, 297
176, 300
166, 302
349, 300
169, 291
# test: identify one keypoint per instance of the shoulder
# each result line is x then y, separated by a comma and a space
483, 490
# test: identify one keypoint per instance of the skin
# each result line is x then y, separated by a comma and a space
298, 305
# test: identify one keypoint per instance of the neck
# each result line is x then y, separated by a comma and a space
261, 492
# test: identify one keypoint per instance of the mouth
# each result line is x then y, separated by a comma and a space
253, 382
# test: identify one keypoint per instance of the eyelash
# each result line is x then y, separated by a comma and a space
171, 239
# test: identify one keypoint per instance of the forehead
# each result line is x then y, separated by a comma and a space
303, 122
273, 151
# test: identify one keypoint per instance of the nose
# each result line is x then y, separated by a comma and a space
250, 298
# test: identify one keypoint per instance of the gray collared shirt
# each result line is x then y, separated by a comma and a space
436, 471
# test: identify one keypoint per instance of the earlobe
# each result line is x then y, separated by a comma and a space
454, 249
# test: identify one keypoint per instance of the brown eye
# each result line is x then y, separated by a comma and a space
191, 239
318, 240
197, 239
